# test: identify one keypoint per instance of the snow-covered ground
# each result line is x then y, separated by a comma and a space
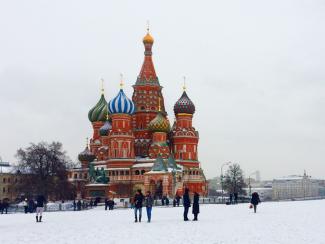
283, 222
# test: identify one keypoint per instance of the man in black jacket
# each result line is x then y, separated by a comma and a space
255, 200
186, 203
138, 199
39, 207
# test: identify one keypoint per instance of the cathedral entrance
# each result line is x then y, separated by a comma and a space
156, 188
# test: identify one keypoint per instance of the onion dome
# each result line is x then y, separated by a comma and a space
148, 39
121, 104
184, 105
103, 131
99, 111
159, 124
86, 156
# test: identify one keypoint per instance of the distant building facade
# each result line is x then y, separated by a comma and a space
295, 187
8, 181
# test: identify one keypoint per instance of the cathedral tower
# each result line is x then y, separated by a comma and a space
146, 96
159, 126
121, 137
185, 137
97, 116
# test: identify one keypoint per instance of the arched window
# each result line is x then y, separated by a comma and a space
137, 172
143, 171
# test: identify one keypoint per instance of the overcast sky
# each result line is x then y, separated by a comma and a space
255, 71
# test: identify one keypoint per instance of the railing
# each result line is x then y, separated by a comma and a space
120, 177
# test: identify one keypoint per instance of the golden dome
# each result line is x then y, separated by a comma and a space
148, 39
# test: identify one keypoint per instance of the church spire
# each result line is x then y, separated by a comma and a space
147, 74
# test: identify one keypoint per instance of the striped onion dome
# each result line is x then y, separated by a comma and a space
121, 104
86, 156
159, 124
184, 105
103, 131
99, 111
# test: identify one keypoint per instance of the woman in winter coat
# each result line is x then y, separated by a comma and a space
196, 206
186, 203
149, 203
255, 200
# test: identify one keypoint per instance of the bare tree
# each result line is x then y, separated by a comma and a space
234, 180
43, 169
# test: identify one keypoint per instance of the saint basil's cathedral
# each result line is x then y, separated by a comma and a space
134, 146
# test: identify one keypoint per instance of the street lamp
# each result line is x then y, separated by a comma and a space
249, 183
221, 178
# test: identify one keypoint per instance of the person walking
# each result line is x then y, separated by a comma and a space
106, 203
74, 205
91, 203
255, 200
186, 203
196, 205
40, 201
138, 200
174, 202
167, 201
5, 206
25, 204
236, 197
149, 203
111, 204
1, 207
230, 198
79, 205
178, 199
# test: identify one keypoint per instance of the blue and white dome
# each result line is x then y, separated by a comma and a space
121, 104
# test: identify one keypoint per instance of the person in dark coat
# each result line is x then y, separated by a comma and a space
163, 201
196, 206
167, 201
178, 199
186, 203
74, 205
91, 203
40, 201
111, 204
25, 204
5, 206
1, 207
106, 203
174, 202
149, 204
79, 205
230, 198
236, 197
255, 200
138, 200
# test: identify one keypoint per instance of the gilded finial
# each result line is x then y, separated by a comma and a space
102, 85
159, 108
121, 81
148, 26
107, 116
184, 83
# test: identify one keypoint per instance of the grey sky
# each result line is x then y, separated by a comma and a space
255, 71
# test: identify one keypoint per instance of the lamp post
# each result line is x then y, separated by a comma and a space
249, 183
221, 178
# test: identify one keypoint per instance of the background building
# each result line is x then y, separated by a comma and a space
295, 186
8, 182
